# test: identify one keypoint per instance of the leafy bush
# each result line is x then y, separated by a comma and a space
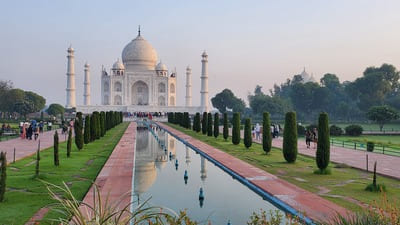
354, 130
301, 130
289, 147
370, 146
335, 130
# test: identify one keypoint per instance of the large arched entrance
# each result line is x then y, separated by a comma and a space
140, 93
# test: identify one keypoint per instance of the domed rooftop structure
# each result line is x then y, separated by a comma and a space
306, 77
161, 66
139, 54
118, 65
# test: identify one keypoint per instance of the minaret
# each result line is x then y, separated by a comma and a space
204, 82
203, 170
71, 100
187, 157
86, 86
188, 86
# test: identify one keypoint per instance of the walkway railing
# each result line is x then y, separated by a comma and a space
362, 146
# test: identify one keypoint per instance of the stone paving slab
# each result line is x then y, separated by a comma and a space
311, 205
25, 147
115, 179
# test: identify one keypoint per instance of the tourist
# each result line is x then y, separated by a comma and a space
258, 130
41, 125
37, 130
253, 132
272, 130
315, 136
8, 128
308, 138
49, 125
29, 132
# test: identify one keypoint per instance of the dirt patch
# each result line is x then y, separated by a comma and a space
322, 190
344, 183
38, 216
281, 172
89, 162
300, 179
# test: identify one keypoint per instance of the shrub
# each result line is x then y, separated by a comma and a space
289, 147
69, 143
236, 128
170, 117
216, 125
323, 144
78, 126
370, 146
354, 130
374, 187
301, 130
56, 159
226, 126
37, 161
86, 131
93, 127
3, 175
204, 123
266, 136
102, 124
247, 133
196, 123
209, 125
335, 130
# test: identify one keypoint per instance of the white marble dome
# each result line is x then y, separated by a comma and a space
161, 66
139, 54
118, 65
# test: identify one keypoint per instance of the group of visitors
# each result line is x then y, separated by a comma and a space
311, 136
257, 131
145, 114
31, 130
5, 128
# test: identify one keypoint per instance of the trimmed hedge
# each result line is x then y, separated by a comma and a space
323, 143
248, 140
3, 175
86, 131
266, 135
55, 147
236, 128
226, 126
354, 130
209, 125
204, 123
289, 147
196, 123
335, 130
69, 143
78, 126
216, 125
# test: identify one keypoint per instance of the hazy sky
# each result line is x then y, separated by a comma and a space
248, 42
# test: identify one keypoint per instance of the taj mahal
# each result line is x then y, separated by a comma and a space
137, 83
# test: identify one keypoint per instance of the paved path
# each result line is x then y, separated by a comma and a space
25, 147
115, 179
387, 165
312, 205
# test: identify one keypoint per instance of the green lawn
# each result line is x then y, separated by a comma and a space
26, 195
379, 139
345, 186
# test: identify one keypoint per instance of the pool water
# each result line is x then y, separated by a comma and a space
160, 174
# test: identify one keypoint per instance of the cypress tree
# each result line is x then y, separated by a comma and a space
323, 144
290, 138
247, 133
216, 125
37, 161
121, 117
236, 128
86, 134
204, 123
197, 123
98, 131
92, 128
69, 143
188, 122
209, 125
56, 159
266, 136
102, 124
78, 126
226, 126
107, 120
3, 175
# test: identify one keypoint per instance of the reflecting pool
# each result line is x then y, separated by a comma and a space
178, 178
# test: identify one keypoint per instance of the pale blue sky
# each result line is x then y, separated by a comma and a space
248, 42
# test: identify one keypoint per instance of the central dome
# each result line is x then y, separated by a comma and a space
139, 54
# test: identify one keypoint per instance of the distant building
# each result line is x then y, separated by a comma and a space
306, 77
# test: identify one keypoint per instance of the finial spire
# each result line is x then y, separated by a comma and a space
139, 31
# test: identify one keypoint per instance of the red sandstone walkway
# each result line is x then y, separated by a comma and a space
312, 205
387, 165
24, 147
115, 179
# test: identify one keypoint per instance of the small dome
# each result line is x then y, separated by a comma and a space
204, 54
139, 53
305, 76
87, 65
118, 65
161, 66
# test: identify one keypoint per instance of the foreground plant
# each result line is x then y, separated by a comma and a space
273, 218
103, 211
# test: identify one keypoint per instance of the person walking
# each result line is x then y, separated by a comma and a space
37, 130
258, 130
308, 138
315, 137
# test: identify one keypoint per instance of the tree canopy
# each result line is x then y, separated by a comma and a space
382, 115
55, 109
226, 100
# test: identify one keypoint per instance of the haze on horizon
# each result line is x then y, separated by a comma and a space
261, 43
